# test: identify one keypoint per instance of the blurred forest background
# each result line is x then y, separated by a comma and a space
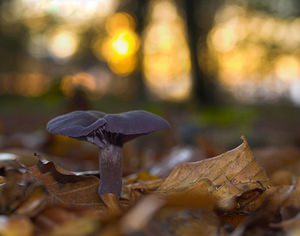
214, 69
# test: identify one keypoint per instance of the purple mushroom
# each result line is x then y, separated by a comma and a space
109, 132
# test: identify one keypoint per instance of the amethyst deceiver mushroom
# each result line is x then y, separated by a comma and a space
109, 132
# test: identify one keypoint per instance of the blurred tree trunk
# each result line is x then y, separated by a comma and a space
138, 8
141, 15
199, 20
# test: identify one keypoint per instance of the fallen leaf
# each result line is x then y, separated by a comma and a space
204, 226
281, 164
140, 176
180, 221
195, 201
15, 182
59, 219
282, 177
22, 156
65, 187
15, 226
133, 190
263, 217
291, 227
234, 178
34, 202
291, 206
137, 218
77, 227
112, 203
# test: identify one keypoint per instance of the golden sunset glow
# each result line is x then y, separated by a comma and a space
240, 42
80, 80
287, 67
166, 69
120, 46
71, 11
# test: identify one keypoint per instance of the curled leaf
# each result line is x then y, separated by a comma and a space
233, 177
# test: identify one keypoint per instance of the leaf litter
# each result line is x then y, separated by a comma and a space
229, 194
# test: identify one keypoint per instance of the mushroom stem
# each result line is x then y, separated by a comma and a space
110, 158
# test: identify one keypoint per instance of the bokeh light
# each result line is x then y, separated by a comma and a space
287, 67
63, 43
166, 60
120, 46
71, 11
122, 42
256, 53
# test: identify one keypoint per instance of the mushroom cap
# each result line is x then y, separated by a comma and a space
127, 125
76, 124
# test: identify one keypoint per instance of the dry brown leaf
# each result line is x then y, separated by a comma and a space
282, 164
180, 221
77, 227
112, 203
66, 188
291, 206
15, 182
140, 214
282, 177
196, 227
139, 176
15, 226
181, 200
234, 178
34, 202
57, 219
133, 191
138, 184
22, 156
291, 227
261, 219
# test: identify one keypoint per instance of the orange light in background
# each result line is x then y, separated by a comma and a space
33, 84
95, 84
25, 84
242, 43
287, 67
123, 67
70, 11
166, 56
225, 36
235, 65
83, 80
122, 42
119, 48
63, 44
120, 20
77, 15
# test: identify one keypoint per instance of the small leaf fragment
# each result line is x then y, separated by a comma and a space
65, 187
15, 226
